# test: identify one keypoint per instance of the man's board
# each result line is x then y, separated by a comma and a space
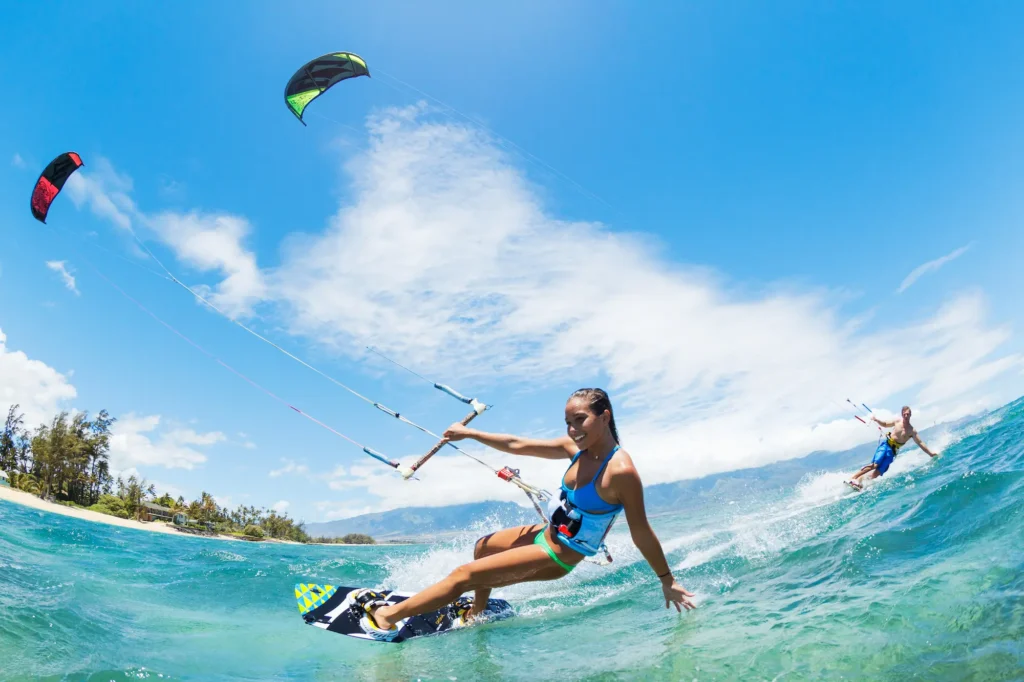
853, 485
330, 608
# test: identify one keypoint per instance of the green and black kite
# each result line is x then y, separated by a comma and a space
318, 76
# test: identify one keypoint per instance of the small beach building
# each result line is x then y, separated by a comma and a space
3, 478
155, 512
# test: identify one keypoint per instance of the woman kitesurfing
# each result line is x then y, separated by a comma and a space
600, 482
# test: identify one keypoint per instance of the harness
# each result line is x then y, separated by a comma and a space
579, 529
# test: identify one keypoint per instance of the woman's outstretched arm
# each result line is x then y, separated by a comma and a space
630, 489
549, 448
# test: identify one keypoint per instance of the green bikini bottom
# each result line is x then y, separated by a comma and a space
542, 541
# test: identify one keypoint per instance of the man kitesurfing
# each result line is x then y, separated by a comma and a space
902, 432
600, 482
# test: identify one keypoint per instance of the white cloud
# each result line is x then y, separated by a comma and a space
104, 191
171, 189
225, 501
446, 258
290, 467
931, 266
213, 243
190, 437
281, 506
330, 510
135, 441
37, 388
169, 489
207, 242
448, 479
17, 161
246, 443
60, 267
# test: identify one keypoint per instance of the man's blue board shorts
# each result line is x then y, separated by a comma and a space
884, 456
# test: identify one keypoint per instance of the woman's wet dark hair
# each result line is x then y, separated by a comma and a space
598, 401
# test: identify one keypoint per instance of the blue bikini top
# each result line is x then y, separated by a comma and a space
586, 498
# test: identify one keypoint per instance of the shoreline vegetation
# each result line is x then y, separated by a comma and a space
63, 467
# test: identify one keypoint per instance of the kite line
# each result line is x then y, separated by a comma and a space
49, 185
537, 496
368, 450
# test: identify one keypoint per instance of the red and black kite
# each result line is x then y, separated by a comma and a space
52, 181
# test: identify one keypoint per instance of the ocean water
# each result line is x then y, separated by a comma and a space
919, 577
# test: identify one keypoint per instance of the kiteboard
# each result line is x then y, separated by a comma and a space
853, 485
331, 608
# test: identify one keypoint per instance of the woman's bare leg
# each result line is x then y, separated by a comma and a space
518, 565
495, 543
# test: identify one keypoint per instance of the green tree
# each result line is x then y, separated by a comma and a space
165, 500
111, 504
133, 493
10, 437
25, 482
207, 508
57, 455
96, 434
67, 457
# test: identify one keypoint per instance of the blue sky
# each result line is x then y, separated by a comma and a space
734, 216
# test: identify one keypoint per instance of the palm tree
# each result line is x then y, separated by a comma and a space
25, 482
95, 436
207, 507
134, 492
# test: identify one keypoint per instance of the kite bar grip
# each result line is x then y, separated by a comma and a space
380, 457
453, 393
472, 402
406, 473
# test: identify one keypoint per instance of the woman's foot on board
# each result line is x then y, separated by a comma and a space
464, 611
375, 621
476, 612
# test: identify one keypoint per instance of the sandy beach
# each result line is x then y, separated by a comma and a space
29, 500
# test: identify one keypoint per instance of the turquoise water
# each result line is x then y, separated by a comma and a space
920, 577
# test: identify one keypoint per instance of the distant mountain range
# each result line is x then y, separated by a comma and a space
419, 523
423, 522
669, 497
